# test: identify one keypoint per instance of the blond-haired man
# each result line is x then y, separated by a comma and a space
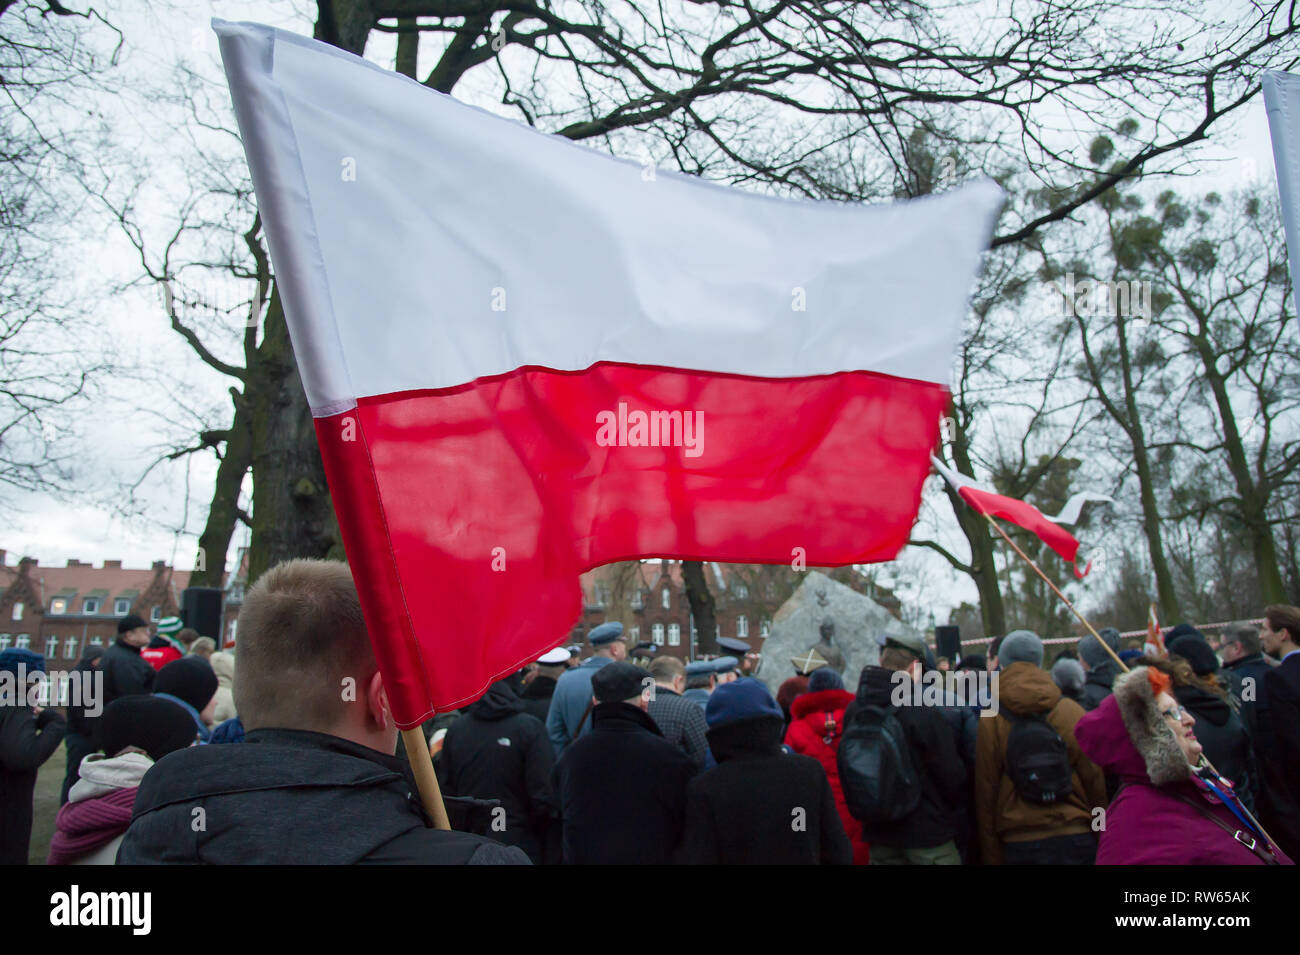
315, 780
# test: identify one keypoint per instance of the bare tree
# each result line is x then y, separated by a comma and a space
51, 59
815, 99
1186, 344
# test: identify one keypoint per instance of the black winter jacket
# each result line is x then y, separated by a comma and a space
761, 805
622, 790
1222, 735
537, 697
78, 721
291, 797
496, 750
1097, 686
26, 741
126, 673
938, 765
1254, 710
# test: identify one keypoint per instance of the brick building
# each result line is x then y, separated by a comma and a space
649, 598
58, 611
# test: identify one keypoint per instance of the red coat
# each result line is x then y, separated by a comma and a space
159, 657
816, 725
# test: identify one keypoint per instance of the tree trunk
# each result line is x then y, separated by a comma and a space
408, 47
293, 515
1254, 498
984, 570
702, 605
1166, 593
223, 513
292, 512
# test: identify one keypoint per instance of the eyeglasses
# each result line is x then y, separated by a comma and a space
1174, 713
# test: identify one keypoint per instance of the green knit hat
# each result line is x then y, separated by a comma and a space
170, 626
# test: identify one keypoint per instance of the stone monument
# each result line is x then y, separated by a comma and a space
840, 622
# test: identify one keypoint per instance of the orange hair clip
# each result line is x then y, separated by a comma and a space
1160, 682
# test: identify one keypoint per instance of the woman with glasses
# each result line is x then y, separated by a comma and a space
1167, 811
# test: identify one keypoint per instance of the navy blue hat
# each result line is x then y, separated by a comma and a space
605, 633
1128, 656
741, 699
699, 668
824, 678
31, 660
725, 664
734, 645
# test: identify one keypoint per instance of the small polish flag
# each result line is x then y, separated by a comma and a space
1155, 644
524, 359
1048, 529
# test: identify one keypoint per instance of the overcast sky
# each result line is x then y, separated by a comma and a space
128, 424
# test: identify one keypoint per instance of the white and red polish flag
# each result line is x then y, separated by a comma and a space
1023, 514
526, 358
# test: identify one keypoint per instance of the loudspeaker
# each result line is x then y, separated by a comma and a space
948, 641
201, 609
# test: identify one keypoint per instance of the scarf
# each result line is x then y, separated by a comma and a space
82, 827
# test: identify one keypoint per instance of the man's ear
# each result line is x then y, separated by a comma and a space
377, 711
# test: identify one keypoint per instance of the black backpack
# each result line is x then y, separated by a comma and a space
880, 785
1038, 762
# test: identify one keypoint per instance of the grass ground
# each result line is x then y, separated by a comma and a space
45, 803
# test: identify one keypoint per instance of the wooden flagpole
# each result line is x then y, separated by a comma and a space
1056, 590
426, 780
1105, 646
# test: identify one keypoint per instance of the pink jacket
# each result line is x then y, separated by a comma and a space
1147, 824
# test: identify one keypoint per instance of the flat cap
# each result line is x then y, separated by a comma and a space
618, 681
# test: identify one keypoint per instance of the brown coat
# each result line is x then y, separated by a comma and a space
1000, 813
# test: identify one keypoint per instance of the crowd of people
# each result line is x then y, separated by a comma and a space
1104, 755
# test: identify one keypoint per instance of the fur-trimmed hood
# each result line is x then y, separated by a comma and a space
823, 701
1127, 737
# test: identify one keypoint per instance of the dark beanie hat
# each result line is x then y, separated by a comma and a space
1093, 653
615, 682
130, 622
824, 678
741, 699
973, 661
1183, 629
150, 723
190, 679
1193, 648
